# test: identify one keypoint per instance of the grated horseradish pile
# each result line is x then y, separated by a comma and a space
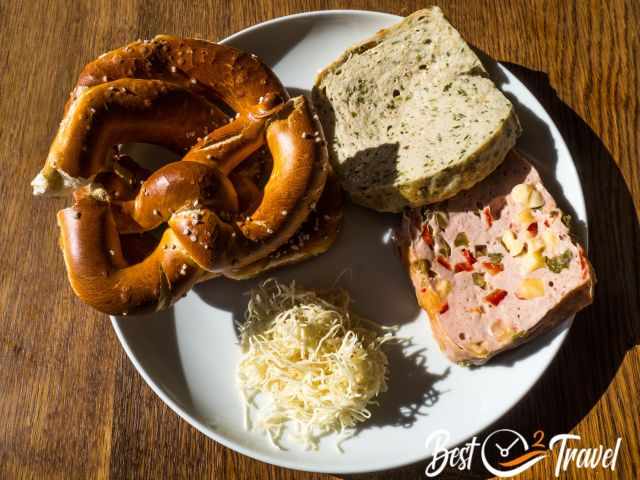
317, 365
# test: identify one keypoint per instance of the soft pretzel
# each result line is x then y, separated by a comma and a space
217, 105
314, 237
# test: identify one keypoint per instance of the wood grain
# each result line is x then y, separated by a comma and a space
71, 404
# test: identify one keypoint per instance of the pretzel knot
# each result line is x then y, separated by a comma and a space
242, 198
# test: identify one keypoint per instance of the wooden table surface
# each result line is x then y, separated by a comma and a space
71, 404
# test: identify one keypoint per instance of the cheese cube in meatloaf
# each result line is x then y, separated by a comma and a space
495, 265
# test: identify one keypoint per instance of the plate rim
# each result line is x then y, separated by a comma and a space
311, 467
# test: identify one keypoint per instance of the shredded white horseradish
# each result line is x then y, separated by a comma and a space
317, 365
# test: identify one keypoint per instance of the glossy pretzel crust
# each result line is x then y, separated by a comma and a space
219, 107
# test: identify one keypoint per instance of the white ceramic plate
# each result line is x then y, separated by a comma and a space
188, 355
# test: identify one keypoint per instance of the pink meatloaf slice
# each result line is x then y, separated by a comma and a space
496, 265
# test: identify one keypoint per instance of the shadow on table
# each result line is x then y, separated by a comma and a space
603, 333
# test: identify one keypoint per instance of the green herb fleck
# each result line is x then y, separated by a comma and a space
480, 250
495, 258
461, 240
559, 262
518, 335
442, 219
478, 279
444, 249
422, 266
